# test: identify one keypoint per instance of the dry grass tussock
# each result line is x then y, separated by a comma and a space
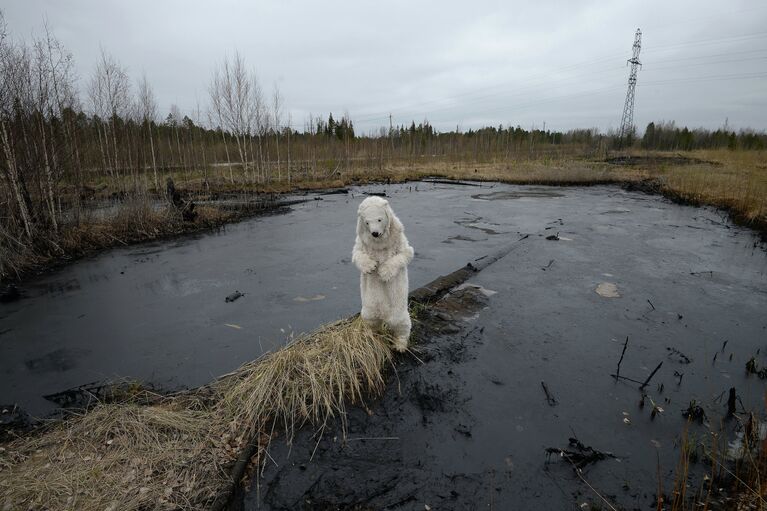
177, 452
117, 456
310, 380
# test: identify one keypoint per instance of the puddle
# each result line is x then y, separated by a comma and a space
476, 223
460, 237
517, 194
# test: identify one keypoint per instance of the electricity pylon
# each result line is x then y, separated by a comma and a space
627, 120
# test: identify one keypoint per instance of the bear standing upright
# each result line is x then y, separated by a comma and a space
381, 253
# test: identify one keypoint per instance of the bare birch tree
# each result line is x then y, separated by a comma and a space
277, 113
109, 92
232, 93
148, 115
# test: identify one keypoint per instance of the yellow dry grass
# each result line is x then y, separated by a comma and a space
736, 181
177, 453
117, 456
309, 380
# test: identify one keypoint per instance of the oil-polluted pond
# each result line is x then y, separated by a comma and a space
686, 280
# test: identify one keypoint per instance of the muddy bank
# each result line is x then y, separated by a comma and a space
358, 468
656, 160
89, 240
426, 301
656, 187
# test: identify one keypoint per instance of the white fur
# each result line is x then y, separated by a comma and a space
383, 262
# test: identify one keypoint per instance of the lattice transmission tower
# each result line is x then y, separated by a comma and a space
627, 120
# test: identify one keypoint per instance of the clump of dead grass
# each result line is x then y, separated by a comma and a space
309, 380
117, 456
177, 453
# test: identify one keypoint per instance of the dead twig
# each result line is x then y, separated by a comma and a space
549, 397
647, 381
632, 380
618, 371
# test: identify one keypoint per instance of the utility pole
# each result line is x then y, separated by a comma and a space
627, 120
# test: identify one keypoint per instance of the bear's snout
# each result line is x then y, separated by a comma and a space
375, 234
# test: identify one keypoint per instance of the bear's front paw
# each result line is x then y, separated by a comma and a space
367, 265
387, 272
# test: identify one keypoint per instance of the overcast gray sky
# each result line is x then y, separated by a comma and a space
467, 63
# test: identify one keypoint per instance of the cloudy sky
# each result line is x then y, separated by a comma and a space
467, 63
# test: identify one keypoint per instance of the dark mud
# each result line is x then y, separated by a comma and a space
452, 182
13, 422
656, 160
519, 194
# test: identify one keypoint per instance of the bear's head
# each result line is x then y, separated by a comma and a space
376, 222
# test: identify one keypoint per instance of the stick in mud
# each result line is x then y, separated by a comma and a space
549, 396
651, 375
651, 305
618, 371
620, 377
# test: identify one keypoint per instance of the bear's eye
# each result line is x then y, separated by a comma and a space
379, 220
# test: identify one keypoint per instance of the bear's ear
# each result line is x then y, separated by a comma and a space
395, 225
360, 228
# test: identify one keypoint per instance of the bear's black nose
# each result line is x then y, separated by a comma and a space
375, 234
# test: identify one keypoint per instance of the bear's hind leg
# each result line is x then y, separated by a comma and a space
400, 327
372, 320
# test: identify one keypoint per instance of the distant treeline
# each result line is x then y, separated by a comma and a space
666, 136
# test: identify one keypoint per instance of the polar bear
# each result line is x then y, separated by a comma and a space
381, 253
